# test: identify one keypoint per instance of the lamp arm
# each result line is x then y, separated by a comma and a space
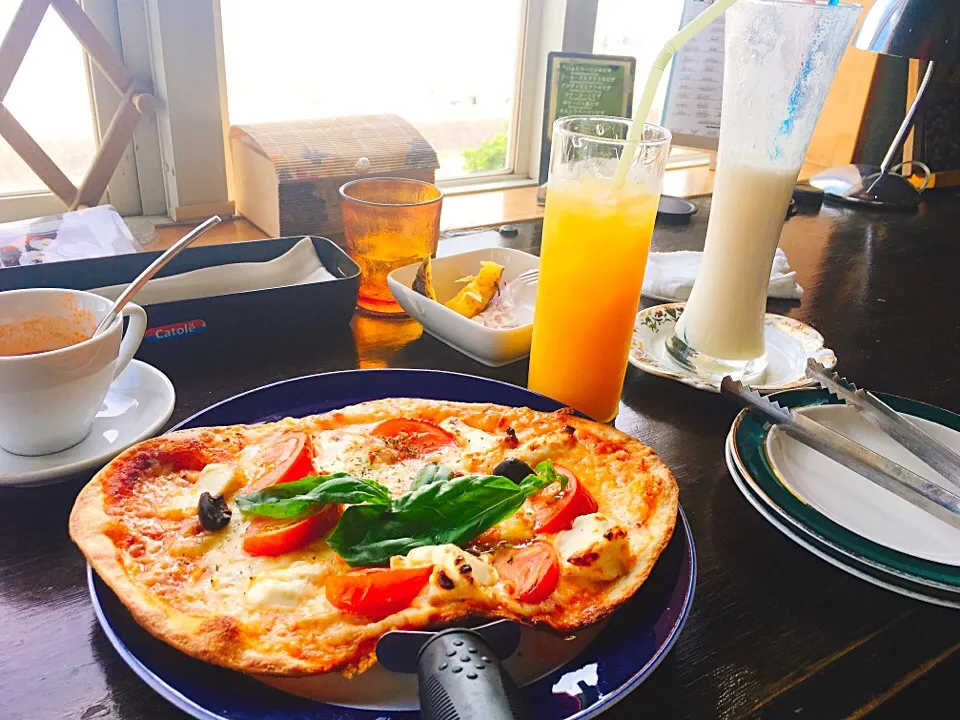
897, 143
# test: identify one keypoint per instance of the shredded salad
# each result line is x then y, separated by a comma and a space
501, 312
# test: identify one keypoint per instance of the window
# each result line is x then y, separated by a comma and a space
469, 75
49, 97
449, 68
626, 27
59, 100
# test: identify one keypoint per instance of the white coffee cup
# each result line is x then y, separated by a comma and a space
48, 400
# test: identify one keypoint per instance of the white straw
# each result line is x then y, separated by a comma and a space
653, 81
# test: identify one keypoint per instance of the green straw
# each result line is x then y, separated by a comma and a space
653, 81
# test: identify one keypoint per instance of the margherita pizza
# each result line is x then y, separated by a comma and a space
289, 548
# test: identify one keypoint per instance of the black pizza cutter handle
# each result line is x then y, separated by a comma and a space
461, 678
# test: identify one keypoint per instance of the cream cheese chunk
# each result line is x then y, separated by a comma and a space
282, 589
219, 479
461, 568
216, 479
469, 438
596, 546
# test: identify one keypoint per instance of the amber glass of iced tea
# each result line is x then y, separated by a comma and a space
388, 223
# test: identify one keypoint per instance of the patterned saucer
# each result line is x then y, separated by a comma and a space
789, 343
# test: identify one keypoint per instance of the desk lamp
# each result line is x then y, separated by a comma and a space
921, 29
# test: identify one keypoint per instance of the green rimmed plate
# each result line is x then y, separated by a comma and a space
751, 457
816, 546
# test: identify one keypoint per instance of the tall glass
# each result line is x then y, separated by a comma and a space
388, 223
594, 250
780, 60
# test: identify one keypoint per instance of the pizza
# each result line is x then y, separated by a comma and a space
290, 548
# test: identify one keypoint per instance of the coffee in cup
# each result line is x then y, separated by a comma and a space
43, 334
54, 374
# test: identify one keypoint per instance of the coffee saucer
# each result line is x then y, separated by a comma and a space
789, 343
137, 405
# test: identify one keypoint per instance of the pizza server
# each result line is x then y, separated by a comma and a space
459, 670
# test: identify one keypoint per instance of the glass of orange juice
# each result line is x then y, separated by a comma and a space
596, 235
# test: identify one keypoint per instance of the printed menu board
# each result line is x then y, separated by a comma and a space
691, 110
584, 84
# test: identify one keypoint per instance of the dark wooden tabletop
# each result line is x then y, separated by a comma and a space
774, 631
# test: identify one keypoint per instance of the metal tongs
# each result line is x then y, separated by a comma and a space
931, 451
932, 497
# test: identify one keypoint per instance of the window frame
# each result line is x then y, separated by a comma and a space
20, 206
130, 192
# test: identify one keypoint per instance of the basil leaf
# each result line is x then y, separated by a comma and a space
355, 538
431, 473
288, 500
545, 475
465, 502
438, 513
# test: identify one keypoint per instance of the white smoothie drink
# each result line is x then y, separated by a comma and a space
724, 316
780, 57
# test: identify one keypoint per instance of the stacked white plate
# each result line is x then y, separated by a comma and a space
840, 516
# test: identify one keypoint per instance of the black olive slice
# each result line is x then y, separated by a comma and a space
514, 469
213, 511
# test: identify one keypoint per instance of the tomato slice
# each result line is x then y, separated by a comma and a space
288, 458
376, 592
533, 570
414, 437
556, 509
266, 536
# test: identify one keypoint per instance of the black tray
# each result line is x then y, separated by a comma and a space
215, 324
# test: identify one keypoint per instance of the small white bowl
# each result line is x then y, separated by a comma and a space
489, 346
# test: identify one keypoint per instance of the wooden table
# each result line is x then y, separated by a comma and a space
774, 632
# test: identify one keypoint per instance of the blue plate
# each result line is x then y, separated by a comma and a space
631, 645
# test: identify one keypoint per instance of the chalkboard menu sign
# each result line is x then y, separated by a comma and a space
584, 84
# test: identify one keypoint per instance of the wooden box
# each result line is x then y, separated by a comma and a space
287, 175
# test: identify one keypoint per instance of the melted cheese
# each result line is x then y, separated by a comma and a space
249, 461
349, 449
470, 439
518, 528
515, 530
263, 584
596, 547
341, 450
228, 568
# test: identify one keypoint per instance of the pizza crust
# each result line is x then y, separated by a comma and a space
637, 489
